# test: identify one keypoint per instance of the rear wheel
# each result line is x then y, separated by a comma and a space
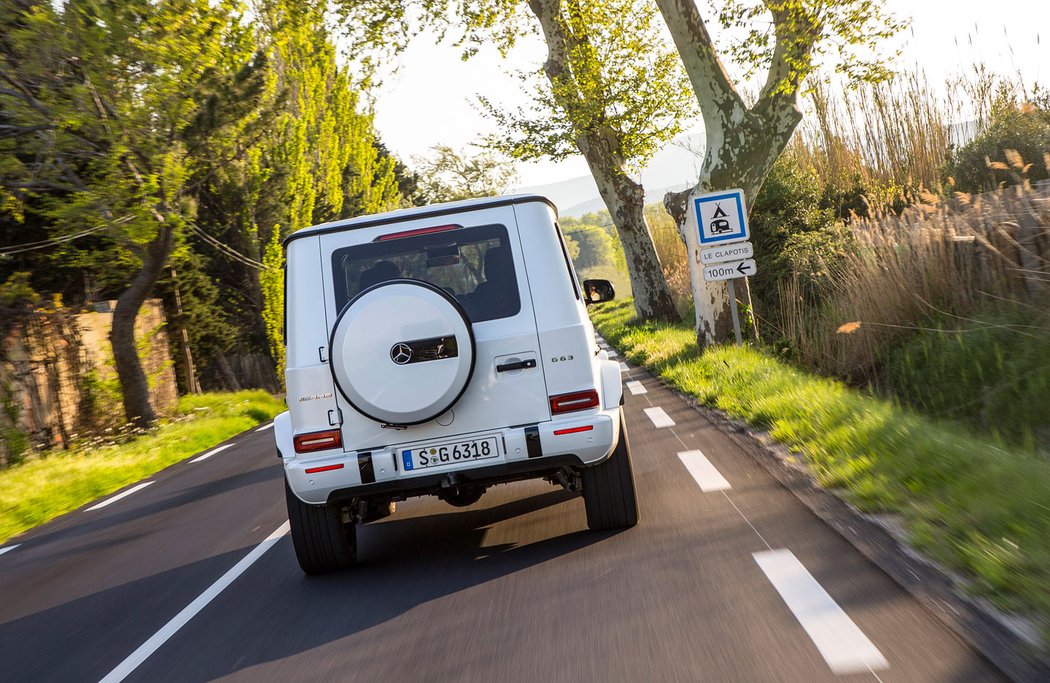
608, 489
323, 541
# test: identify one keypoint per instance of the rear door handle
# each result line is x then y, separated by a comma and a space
517, 365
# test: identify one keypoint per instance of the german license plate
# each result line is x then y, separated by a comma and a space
448, 453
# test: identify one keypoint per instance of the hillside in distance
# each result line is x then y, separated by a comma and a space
674, 167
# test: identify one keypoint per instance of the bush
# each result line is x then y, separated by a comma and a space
795, 237
1021, 127
865, 199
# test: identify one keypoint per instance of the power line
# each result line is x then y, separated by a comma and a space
53, 241
42, 244
227, 250
224, 248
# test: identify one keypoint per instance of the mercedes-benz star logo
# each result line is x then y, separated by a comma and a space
401, 353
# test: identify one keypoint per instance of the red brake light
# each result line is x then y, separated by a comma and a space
577, 400
415, 233
318, 441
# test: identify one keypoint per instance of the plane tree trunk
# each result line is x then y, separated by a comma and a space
600, 146
741, 143
133, 381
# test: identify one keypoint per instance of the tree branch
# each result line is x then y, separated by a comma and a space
714, 91
7, 132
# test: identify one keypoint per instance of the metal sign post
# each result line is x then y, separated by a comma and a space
723, 246
736, 314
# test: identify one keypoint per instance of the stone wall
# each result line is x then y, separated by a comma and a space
57, 380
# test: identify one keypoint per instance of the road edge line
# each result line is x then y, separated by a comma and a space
143, 652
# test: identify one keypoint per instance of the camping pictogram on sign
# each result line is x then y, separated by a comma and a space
719, 223
721, 217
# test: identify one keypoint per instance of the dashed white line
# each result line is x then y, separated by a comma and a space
125, 494
636, 388
623, 367
268, 425
844, 646
211, 453
9, 548
659, 417
706, 475
169, 629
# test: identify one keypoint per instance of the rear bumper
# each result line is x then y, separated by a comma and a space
530, 451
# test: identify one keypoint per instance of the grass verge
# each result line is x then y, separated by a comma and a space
980, 509
55, 482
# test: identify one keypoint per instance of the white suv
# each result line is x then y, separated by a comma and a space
439, 351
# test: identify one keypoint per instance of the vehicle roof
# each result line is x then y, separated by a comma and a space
431, 210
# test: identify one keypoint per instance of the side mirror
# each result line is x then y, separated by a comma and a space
597, 291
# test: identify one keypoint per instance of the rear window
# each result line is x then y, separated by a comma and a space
474, 265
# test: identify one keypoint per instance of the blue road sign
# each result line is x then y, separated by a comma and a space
722, 217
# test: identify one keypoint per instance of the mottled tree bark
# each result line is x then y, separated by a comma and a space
741, 143
137, 407
624, 198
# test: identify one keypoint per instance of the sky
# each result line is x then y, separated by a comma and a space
431, 99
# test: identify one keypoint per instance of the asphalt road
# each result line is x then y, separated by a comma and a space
726, 578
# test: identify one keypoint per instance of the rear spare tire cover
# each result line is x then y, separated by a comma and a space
402, 352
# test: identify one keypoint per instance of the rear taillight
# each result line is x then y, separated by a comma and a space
318, 441
577, 400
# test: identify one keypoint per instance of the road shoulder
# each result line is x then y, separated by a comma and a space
1010, 643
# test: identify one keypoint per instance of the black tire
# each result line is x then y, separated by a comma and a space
323, 541
608, 489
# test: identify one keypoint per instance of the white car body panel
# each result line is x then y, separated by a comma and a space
551, 328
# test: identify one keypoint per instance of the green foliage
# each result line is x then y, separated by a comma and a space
617, 78
970, 503
793, 236
272, 281
197, 119
17, 297
100, 402
448, 175
596, 246
863, 199
600, 218
16, 443
986, 162
990, 371
51, 484
847, 37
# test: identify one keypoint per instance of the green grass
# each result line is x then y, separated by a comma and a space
991, 371
55, 482
980, 509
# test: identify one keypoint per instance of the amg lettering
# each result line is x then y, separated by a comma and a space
314, 397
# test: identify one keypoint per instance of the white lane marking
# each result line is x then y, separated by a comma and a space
9, 548
169, 629
114, 499
623, 367
706, 475
211, 453
844, 646
636, 387
266, 426
659, 417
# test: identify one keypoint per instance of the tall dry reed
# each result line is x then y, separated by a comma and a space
898, 133
938, 258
